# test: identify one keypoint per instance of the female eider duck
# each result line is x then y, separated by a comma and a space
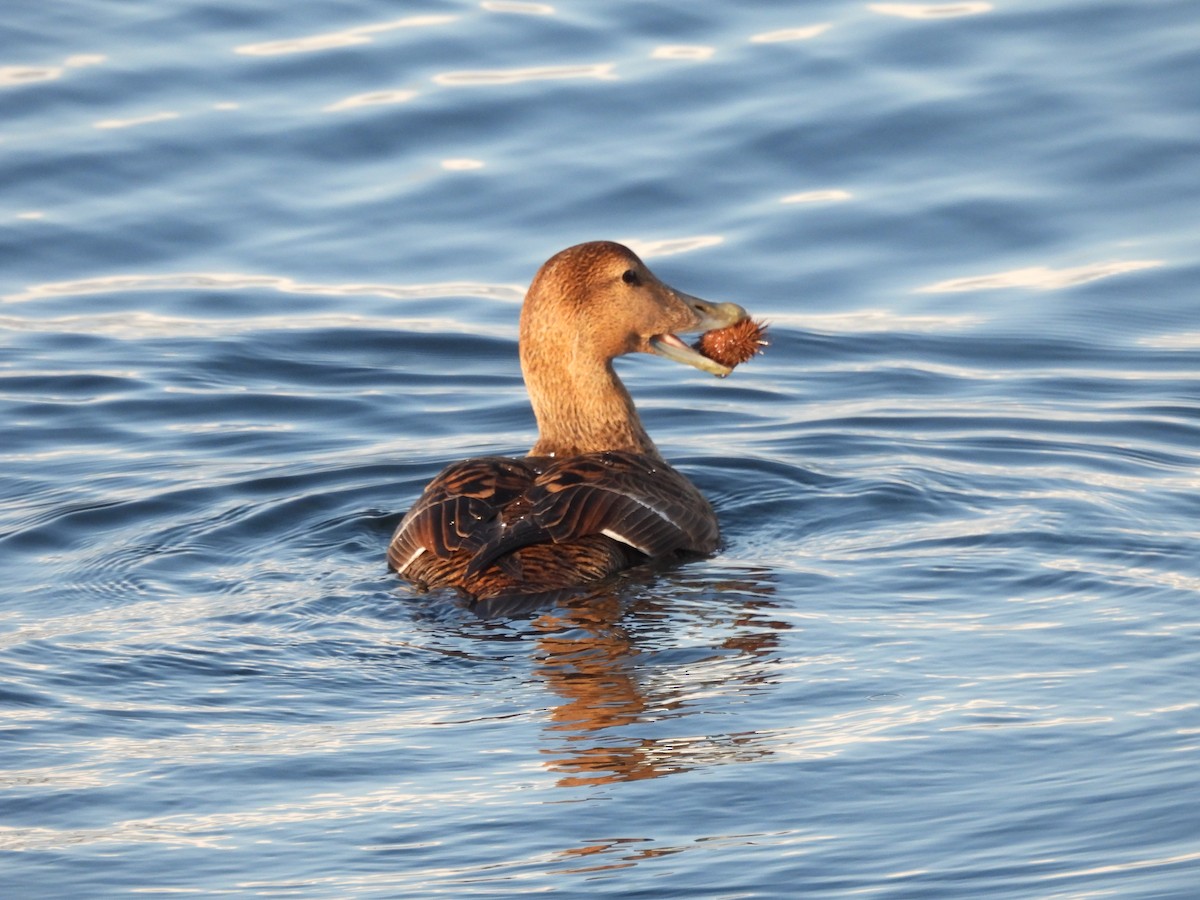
594, 495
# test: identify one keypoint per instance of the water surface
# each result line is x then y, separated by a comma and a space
262, 270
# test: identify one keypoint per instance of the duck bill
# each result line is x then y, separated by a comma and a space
709, 317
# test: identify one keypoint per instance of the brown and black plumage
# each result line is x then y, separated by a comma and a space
593, 496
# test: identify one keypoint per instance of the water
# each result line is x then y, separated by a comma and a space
261, 272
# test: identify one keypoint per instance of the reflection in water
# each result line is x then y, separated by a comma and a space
618, 689
13, 76
164, 116
129, 322
227, 281
647, 249
237, 281
461, 165
371, 98
511, 6
602, 71
878, 321
929, 10
1181, 340
677, 51
1040, 278
333, 39
625, 852
135, 325
832, 195
791, 34
17, 76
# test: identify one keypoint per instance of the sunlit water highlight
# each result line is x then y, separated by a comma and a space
262, 269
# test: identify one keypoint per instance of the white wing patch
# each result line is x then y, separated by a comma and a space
408, 562
608, 532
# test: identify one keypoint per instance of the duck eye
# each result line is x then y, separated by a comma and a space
630, 277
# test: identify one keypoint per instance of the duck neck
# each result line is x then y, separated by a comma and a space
583, 409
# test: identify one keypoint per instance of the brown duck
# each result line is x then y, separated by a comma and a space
593, 496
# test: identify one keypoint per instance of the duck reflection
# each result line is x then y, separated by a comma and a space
632, 668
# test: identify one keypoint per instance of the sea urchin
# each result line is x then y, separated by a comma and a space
734, 344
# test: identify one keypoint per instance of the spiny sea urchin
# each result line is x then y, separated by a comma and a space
734, 344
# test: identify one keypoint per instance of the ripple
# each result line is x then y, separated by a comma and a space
1186, 340
492, 77
372, 98
517, 7
960, 539
18, 76
148, 119
1041, 278
828, 195
805, 33
868, 321
651, 248
930, 10
350, 37
462, 165
683, 51
226, 281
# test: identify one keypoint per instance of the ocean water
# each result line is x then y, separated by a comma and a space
261, 271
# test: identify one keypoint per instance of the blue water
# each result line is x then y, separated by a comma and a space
261, 271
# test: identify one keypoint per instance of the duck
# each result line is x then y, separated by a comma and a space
593, 496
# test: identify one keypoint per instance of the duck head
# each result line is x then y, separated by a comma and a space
600, 300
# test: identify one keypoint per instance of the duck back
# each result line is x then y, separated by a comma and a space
497, 526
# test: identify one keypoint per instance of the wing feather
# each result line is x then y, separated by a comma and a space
635, 499
492, 525
460, 509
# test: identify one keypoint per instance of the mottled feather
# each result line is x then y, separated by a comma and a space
495, 525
